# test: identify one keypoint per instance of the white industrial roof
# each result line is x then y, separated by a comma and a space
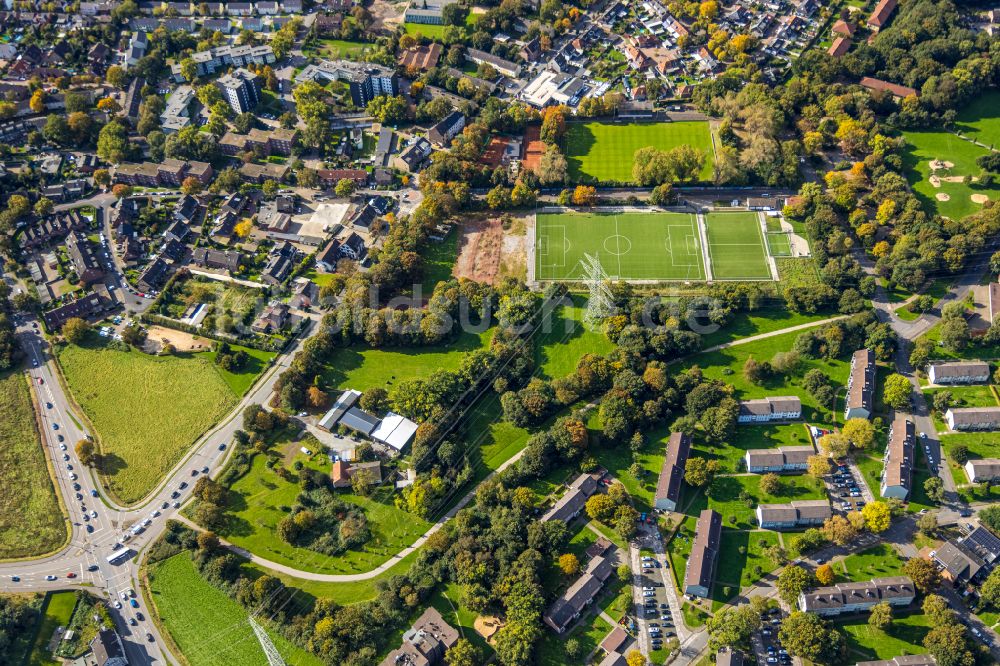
395, 431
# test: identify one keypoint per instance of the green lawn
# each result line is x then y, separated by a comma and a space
797, 271
447, 599
432, 32
904, 636
567, 339
361, 368
925, 146
979, 120
731, 454
876, 562
240, 382
259, 495
31, 520
747, 324
736, 246
438, 261
208, 626
779, 245
726, 490
604, 151
340, 49
146, 410
979, 444
973, 350
714, 364
57, 610
636, 246
731, 560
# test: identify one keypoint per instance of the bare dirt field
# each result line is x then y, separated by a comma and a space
158, 336
486, 252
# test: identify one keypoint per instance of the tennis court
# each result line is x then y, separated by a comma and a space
736, 246
630, 246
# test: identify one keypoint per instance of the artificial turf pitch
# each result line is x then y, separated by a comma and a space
736, 246
630, 246
604, 152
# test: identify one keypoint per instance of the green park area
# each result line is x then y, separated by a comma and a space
208, 626
877, 562
57, 610
566, 339
31, 519
980, 121
937, 163
147, 410
260, 499
758, 322
605, 151
904, 636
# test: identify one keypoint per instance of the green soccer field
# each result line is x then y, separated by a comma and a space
736, 246
630, 246
599, 152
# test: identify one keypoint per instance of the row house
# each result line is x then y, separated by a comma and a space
794, 515
897, 470
959, 372
765, 410
973, 418
780, 459
858, 597
861, 385
668, 486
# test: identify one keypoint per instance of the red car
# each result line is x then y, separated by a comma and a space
41, 381
71, 575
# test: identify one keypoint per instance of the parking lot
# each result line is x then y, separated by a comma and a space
656, 621
847, 488
766, 644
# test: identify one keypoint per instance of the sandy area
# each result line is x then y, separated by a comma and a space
940, 164
935, 181
479, 249
487, 626
158, 336
979, 198
941, 196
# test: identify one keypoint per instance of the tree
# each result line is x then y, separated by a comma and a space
937, 610
102, 177
770, 484
881, 616
109, 105
860, 432
839, 530
825, 575
463, 653
793, 580
43, 207
37, 101
924, 573
809, 636
699, 472
345, 187
934, 487
569, 564
635, 658
877, 516
927, 523
896, 391
191, 186
960, 454
116, 77
989, 591
552, 167
819, 466
584, 195
834, 445
388, 110
600, 507
733, 627
75, 330
86, 452
121, 190
949, 645
243, 228
189, 69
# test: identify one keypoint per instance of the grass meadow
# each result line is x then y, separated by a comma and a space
567, 340
147, 410
980, 120
904, 636
208, 626
57, 610
257, 499
604, 151
31, 520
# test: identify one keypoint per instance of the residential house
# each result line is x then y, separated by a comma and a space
342, 472
898, 91
217, 259
330, 177
983, 470
87, 306
840, 47
428, 12
365, 80
447, 129
858, 597
973, 418
425, 643
107, 649
765, 410
571, 503
571, 603
780, 459
898, 460
280, 263
500, 65
413, 156
421, 57
326, 258
794, 515
154, 276
668, 486
880, 17
968, 559
83, 257
260, 173
959, 372
353, 247
861, 385
273, 318
700, 572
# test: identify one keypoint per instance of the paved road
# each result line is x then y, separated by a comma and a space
95, 538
